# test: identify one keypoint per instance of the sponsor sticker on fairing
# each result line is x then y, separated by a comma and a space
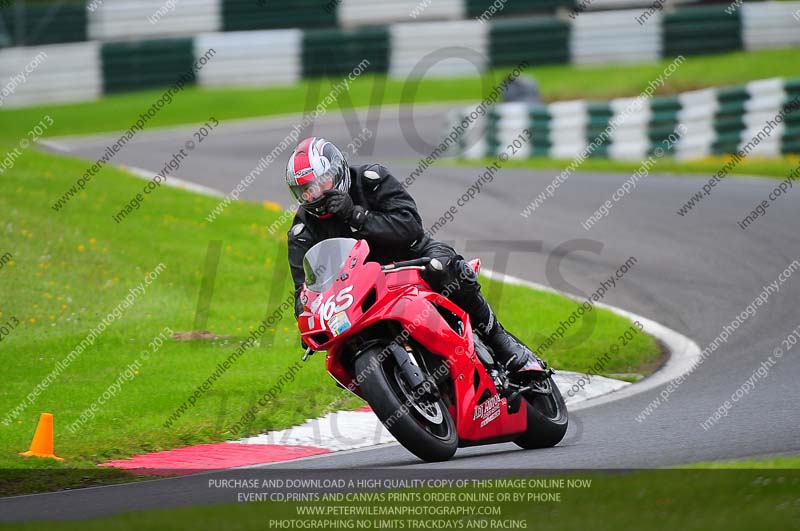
338, 323
488, 410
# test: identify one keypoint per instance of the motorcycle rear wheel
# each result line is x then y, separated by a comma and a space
547, 418
423, 427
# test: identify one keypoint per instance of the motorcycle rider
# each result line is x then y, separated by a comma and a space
367, 202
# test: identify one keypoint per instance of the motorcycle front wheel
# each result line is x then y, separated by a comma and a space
423, 426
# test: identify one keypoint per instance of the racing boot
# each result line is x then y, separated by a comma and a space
509, 351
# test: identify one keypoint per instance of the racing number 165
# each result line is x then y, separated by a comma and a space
337, 303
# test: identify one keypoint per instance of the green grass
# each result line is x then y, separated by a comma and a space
782, 463
778, 167
558, 82
71, 268
691, 500
698, 71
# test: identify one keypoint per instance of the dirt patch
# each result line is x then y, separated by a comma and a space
198, 335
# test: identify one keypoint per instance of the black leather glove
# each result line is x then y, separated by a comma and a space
339, 204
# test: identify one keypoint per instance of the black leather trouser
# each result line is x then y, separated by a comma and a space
458, 282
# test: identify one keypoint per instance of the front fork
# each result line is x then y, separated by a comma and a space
421, 383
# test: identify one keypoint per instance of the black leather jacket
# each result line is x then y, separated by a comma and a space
392, 227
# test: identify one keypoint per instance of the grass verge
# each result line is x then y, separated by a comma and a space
776, 168
557, 82
780, 462
69, 269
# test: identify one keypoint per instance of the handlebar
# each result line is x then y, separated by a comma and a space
422, 261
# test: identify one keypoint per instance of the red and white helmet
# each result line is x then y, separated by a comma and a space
315, 167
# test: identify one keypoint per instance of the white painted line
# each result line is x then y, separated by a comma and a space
318, 456
593, 386
52, 144
343, 430
171, 181
174, 182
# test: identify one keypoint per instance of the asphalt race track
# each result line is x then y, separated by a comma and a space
694, 274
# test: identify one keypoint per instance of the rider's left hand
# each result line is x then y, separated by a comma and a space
339, 204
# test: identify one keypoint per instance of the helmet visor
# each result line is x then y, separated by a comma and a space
314, 189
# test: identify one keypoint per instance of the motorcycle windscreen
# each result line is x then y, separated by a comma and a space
323, 262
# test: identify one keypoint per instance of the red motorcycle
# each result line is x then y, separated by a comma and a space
411, 354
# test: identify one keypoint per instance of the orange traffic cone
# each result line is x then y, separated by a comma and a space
42, 444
